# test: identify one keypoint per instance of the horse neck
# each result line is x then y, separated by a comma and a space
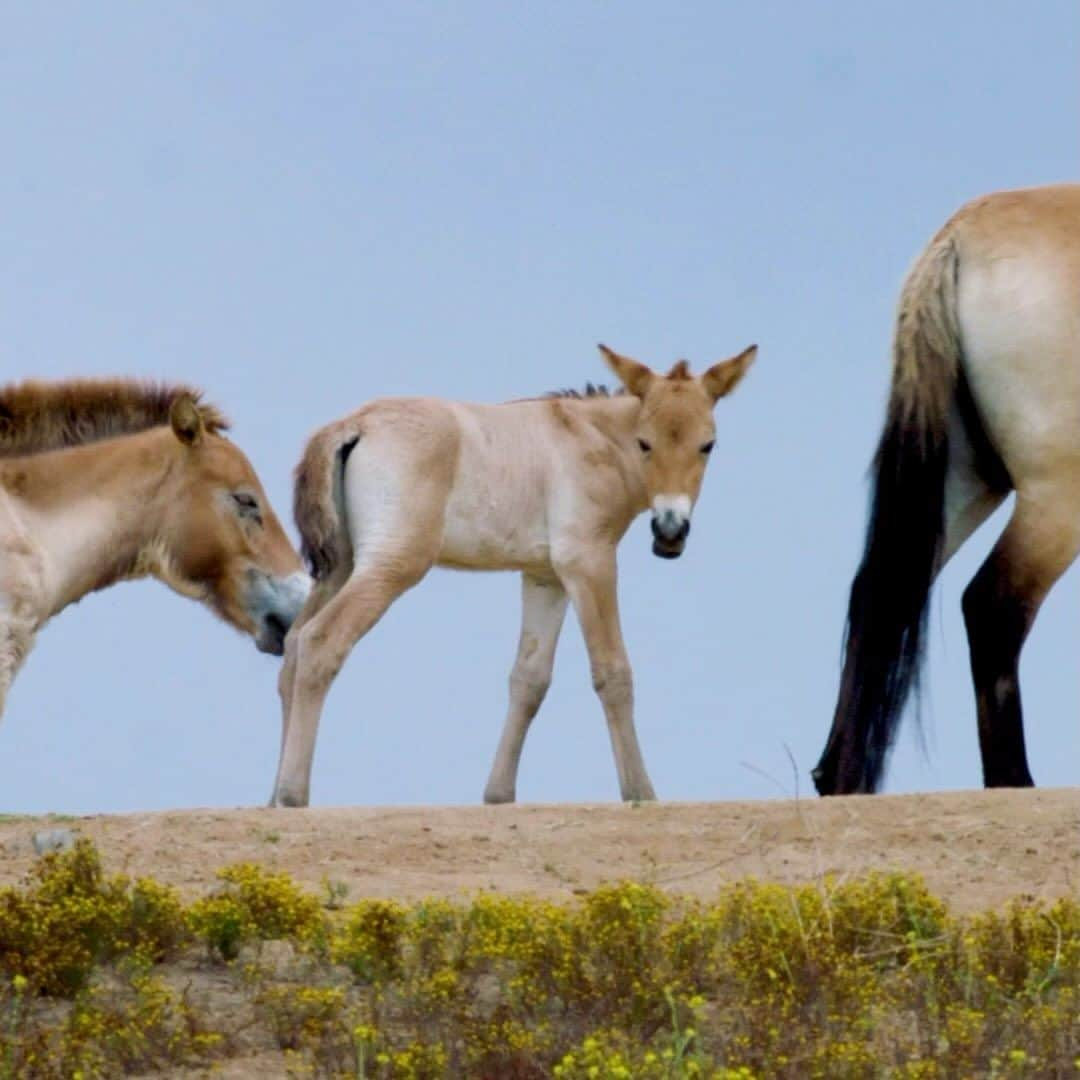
616, 419
99, 511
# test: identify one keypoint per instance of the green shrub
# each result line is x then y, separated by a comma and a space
256, 905
867, 977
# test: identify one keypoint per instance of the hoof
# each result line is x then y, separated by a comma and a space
287, 799
495, 797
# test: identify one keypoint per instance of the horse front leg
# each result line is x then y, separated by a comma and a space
592, 586
543, 609
16, 641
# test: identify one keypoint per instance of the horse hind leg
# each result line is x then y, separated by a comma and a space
974, 488
321, 648
320, 596
543, 609
976, 484
1038, 545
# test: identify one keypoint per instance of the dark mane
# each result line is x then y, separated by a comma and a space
38, 416
590, 391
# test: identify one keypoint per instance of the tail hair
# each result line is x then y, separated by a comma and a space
318, 500
887, 609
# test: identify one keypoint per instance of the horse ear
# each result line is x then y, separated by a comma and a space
636, 377
722, 378
186, 420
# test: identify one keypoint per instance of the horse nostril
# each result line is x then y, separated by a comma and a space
669, 527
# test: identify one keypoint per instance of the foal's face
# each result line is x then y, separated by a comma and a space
226, 539
674, 435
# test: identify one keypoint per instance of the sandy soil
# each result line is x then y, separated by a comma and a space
974, 848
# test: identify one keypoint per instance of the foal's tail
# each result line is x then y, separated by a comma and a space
905, 532
319, 498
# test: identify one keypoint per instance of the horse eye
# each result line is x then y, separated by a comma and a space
247, 504
707, 448
645, 446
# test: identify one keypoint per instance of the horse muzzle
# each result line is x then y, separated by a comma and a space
670, 531
274, 604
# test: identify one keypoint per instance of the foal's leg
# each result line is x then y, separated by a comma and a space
543, 608
591, 584
320, 596
395, 497
321, 647
1037, 547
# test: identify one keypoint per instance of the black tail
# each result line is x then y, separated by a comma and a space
888, 606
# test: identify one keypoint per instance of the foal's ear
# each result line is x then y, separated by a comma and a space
722, 378
186, 420
636, 377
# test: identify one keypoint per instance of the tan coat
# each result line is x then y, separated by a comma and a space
546, 487
102, 481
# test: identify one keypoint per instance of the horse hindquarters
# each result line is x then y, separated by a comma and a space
1022, 353
393, 503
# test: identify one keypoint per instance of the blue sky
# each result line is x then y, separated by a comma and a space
301, 207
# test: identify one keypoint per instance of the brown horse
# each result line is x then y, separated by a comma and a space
985, 400
547, 487
107, 480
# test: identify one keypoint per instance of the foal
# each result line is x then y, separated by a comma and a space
547, 487
107, 480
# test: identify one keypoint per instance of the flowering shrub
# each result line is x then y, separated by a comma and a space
252, 905
869, 977
71, 917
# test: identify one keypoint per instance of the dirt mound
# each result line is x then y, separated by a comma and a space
974, 848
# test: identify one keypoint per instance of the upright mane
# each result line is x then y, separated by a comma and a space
38, 416
590, 391
680, 371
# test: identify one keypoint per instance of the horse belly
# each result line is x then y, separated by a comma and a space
488, 530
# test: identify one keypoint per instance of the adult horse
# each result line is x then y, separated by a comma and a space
985, 400
546, 486
107, 480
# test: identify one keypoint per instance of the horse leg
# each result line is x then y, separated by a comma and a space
974, 489
970, 498
21, 598
321, 647
1038, 545
321, 594
591, 584
543, 608
16, 641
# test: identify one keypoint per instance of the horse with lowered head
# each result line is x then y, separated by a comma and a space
107, 480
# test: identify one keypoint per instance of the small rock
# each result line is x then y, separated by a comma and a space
53, 840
